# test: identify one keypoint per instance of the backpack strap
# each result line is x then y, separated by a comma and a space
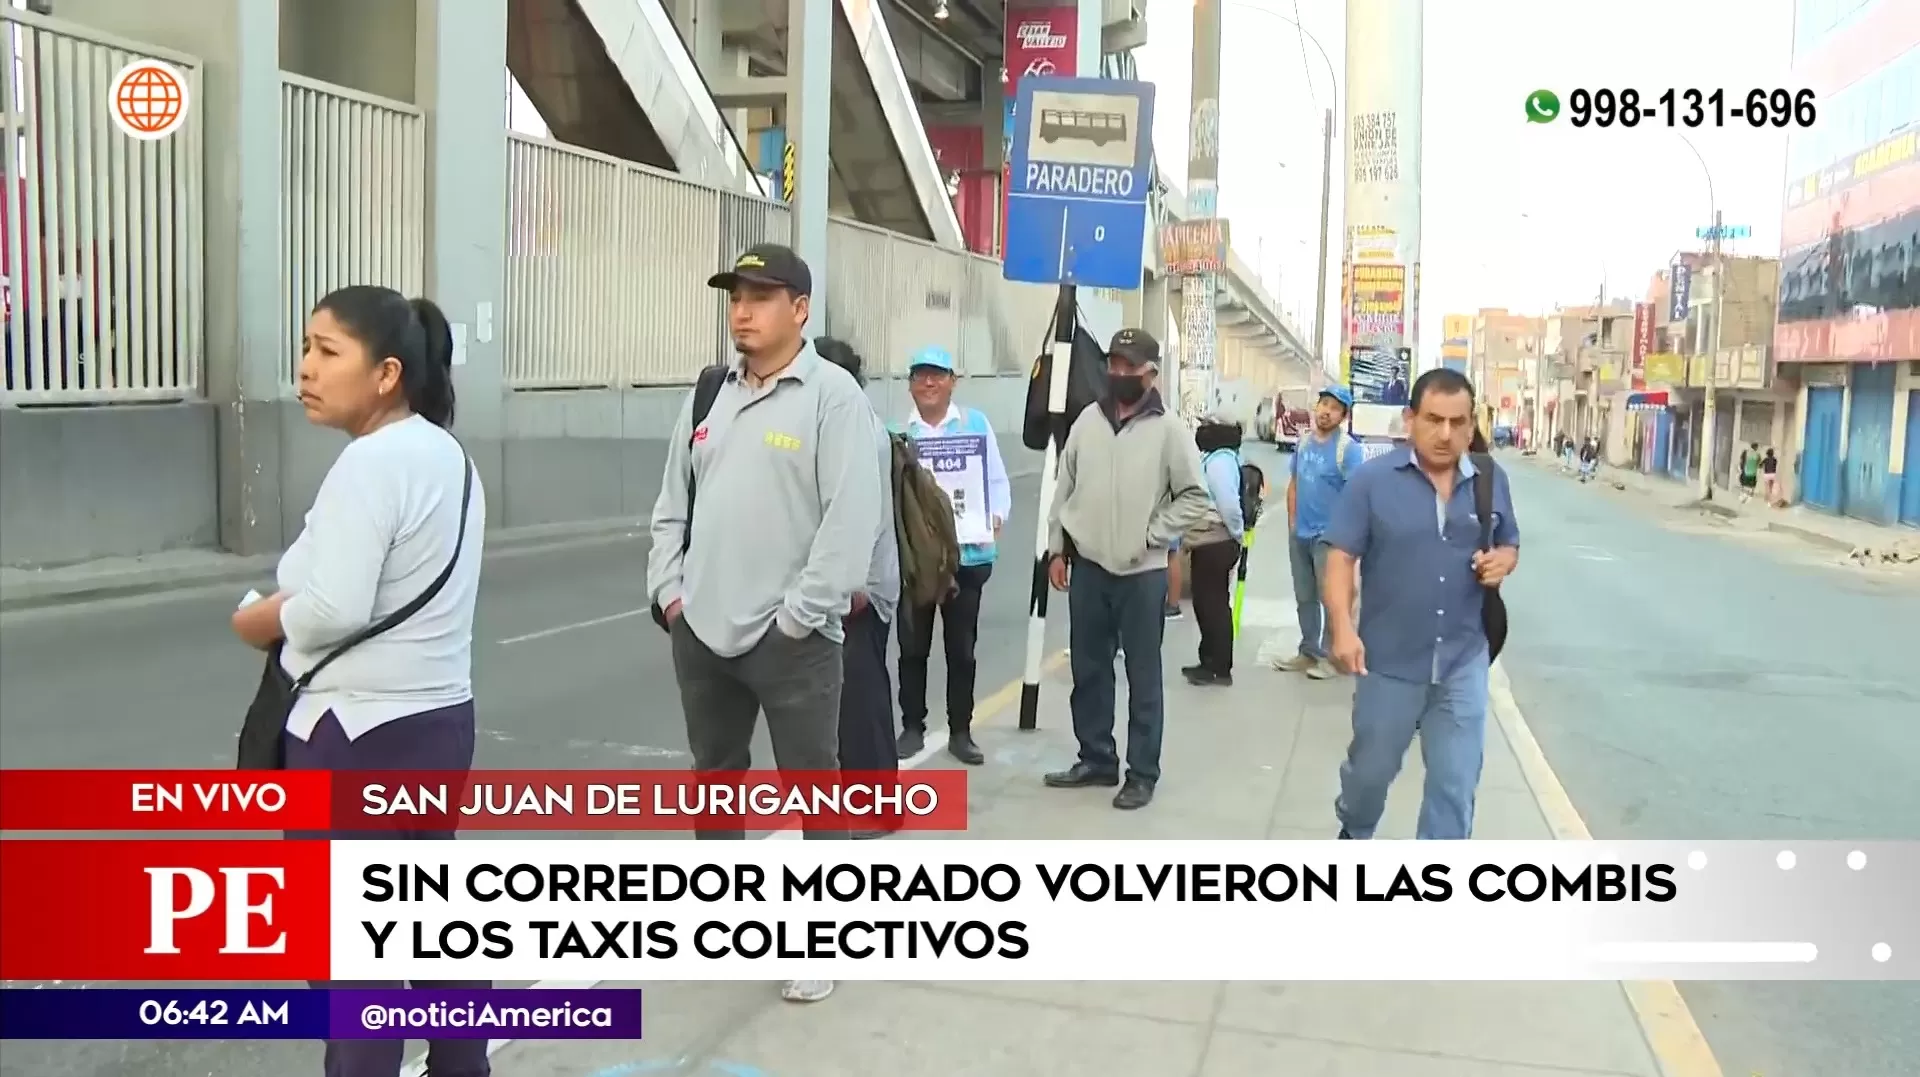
1341, 439
398, 617
1483, 496
705, 390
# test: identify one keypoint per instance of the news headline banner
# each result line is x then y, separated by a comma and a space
278, 1013
122, 800
975, 910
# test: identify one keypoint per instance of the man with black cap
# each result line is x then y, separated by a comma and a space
753, 576
1130, 485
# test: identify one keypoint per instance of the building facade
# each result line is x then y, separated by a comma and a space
1849, 317
1456, 343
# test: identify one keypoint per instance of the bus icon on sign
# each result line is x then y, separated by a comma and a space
1078, 125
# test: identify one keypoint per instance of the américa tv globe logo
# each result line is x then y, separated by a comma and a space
148, 100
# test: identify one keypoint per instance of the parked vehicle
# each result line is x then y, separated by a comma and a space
1293, 416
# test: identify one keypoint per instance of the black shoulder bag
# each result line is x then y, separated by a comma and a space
1493, 608
261, 743
705, 390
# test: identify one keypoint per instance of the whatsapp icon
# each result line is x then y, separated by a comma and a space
1543, 106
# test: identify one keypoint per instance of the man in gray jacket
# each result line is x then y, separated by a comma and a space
1130, 486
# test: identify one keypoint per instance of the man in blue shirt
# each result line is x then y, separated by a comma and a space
930, 378
1322, 463
1407, 521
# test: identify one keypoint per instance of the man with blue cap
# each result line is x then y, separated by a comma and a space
930, 379
1321, 465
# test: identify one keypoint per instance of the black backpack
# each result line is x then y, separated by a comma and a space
1493, 608
705, 389
1086, 384
1253, 491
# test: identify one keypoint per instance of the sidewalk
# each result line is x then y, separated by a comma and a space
1258, 760
1839, 533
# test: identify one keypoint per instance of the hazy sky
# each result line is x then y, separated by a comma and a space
1613, 203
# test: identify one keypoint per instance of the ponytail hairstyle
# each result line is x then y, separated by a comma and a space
413, 332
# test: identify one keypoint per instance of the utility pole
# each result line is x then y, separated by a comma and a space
1326, 201
1713, 360
1198, 327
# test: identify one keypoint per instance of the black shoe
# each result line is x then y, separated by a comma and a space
1193, 671
961, 747
912, 739
1202, 677
1344, 836
1135, 794
1080, 776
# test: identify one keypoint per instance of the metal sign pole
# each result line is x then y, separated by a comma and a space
1063, 326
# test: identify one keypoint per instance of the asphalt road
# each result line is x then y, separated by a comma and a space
1688, 679
569, 672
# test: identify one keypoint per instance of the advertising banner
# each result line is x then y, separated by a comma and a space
1642, 343
1379, 362
1665, 369
1040, 42
1188, 248
1680, 291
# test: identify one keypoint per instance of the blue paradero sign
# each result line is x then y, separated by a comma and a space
1080, 170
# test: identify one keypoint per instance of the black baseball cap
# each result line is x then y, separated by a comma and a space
768, 264
1136, 346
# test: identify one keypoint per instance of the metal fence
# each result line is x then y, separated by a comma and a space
608, 261
102, 248
352, 197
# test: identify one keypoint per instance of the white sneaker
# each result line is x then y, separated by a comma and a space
806, 990
1323, 670
1293, 663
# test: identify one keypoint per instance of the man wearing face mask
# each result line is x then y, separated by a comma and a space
1130, 484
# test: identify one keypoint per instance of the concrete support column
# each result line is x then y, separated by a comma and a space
461, 73
248, 362
1198, 313
809, 112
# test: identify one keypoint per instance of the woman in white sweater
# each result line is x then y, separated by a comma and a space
399, 510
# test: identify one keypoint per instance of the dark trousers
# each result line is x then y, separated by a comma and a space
1108, 613
866, 696
795, 681
960, 631
432, 740
1212, 581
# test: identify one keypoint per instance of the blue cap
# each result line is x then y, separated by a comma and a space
936, 358
1340, 393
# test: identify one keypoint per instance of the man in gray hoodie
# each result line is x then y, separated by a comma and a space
1130, 486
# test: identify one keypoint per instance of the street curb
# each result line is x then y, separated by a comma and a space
1671, 1033
143, 580
1808, 534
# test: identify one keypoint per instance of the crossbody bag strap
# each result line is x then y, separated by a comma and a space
1483, 497
398, 617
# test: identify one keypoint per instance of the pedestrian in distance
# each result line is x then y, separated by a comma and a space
752, 577
1129, 486
369, 637
1749, 472
1323, 463
1770, 479
937, 421
1420, 650
866, 691
1213, 548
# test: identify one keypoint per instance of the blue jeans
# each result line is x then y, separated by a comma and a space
1108, 613
1309, 558
1451, 718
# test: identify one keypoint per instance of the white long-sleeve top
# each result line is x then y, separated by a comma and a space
380, 531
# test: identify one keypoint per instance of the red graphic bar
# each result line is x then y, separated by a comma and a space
179, 800
390, 801
164, 910
1877, 39
1874, 338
